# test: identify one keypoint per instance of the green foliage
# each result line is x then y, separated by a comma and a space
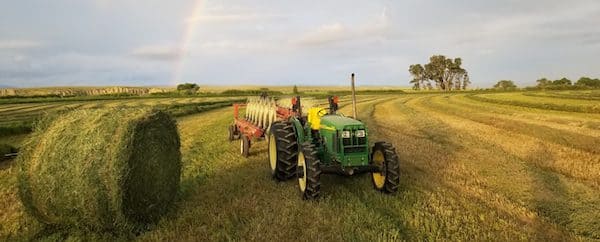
588, 82
188, 88
505, 85
419, 80
446, 73
543, 82
101, 169
295, 90
562, 82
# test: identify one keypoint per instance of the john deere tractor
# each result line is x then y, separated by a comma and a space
326, 142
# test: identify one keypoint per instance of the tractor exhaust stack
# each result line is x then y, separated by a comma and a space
353, 98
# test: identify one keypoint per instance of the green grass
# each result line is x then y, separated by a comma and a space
471, 170
551, 103
19, 118
583, 95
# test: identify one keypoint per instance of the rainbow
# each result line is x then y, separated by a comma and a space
186, 39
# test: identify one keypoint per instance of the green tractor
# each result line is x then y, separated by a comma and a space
325, 142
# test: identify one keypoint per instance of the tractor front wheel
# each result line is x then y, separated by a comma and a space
309, 172
384, 156
245, 146
283, 151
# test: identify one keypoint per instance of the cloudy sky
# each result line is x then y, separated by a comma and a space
269, 42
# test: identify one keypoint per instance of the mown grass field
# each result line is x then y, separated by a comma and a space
485, 167
18, 118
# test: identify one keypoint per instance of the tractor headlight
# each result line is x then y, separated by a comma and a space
345, 134
360, 133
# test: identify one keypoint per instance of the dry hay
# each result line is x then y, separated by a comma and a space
101, 169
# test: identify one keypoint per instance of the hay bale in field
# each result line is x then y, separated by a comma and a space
101, 169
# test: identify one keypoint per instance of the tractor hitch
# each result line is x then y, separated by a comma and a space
349, 170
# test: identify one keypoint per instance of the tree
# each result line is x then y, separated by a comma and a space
543, 82
418, 73
562, 82
447, 74
188, 88
295, 90
505, 85
466, 81
589, 82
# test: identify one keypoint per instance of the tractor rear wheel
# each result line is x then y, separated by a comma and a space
309, 172
245, 146
283, 151
384, 156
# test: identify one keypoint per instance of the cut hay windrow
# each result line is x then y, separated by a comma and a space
5, 150
101, 169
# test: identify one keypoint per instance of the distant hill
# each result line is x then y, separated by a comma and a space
5, 86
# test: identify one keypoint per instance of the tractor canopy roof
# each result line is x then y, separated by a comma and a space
339, 121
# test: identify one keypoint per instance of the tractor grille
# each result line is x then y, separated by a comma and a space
353, 140
354, 144
362, 141
347, 141
354, 149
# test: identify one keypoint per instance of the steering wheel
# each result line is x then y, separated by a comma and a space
323, 112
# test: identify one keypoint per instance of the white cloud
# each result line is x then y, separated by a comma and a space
572, 22
227, 44
18, 44
336, 32
231, 18
157, 52
214, 14
325, 34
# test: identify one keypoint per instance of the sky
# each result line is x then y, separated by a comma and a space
270, 42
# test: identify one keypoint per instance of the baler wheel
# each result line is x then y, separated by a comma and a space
245, 146
231, 130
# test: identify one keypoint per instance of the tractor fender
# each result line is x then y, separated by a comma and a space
298, 129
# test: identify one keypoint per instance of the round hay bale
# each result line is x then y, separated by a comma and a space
101, 169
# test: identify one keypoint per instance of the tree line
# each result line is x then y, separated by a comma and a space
544, 83
447, 74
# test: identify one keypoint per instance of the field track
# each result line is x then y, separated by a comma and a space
471, 169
